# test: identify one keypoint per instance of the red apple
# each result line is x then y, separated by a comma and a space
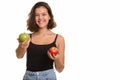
53, 50
23, 36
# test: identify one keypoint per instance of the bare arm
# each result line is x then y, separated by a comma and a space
59, 61
22, 47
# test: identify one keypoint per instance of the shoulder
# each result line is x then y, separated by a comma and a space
60, 39
59, 36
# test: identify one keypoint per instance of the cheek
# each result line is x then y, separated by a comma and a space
48, 19
36, 19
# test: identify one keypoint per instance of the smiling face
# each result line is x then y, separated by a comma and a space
42, 17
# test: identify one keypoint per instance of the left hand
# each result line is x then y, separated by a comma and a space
53, 57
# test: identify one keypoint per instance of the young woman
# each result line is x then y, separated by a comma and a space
40, 63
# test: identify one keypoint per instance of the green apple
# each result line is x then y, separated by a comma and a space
23, 36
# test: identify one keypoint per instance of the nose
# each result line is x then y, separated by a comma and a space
39, 16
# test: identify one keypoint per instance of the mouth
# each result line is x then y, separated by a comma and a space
41, 21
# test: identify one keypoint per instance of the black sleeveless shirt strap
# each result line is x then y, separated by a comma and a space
55, 38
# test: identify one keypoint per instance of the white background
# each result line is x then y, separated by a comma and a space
91, 29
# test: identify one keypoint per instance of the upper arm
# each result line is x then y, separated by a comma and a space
61, 46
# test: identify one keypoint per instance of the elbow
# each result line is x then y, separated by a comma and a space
19, 57
60, 69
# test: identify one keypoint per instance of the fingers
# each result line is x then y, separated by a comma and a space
24, 44
52, 56
27, 41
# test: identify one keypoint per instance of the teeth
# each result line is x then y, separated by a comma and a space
40, 21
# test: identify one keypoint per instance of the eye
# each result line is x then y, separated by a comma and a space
44, 14
36, 14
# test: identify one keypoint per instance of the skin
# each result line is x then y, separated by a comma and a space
44, 36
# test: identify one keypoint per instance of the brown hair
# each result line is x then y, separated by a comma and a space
31, 24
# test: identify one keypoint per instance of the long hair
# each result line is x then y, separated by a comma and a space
31, 24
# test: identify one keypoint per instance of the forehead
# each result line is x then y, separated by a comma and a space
41, 9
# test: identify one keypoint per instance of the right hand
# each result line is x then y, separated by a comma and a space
24, 44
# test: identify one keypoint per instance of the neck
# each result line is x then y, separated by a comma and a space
43, 32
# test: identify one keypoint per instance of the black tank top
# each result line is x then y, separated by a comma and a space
37, 57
